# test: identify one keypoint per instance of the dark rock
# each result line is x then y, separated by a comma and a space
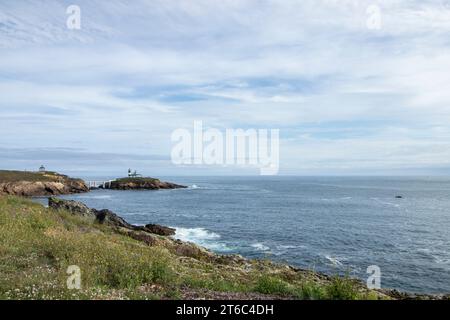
234, 259
399, 197
108, 217
145, 237
75, 207
187, 249
161, 230
394, 293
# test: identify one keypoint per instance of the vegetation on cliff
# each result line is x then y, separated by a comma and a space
16, 176
37, 244
24, 183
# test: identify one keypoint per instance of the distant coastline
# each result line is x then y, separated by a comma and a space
48, 183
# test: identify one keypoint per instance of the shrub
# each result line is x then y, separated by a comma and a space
342, 289
271, 285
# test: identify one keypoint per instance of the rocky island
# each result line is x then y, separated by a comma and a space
142, 183
34, 184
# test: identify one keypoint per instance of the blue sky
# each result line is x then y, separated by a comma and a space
347, 99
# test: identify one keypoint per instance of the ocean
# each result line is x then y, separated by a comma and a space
333, 225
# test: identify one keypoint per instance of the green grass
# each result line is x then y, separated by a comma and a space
15, 176
37, 244
270, 285
340, 288
137, 180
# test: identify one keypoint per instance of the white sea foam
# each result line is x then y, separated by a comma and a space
334, 260
438, 256
202, 237
197, 187
192, 234
386, 203
289, 247
260, 246
336, 199
283, 249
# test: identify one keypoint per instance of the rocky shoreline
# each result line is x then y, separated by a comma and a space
153, 234
150, 234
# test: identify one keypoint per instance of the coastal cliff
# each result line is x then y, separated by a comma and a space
142, 183
33, 184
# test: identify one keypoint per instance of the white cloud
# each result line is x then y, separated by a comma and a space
286, 64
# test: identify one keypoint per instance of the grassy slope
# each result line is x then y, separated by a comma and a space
37, 245
15, 176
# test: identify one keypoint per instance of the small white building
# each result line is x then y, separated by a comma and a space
133, 174
42, 169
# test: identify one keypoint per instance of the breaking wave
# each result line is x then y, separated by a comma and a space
202, 237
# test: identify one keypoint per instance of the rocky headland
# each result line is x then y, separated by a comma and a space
35, 184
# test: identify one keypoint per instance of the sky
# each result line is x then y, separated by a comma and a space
348, 96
